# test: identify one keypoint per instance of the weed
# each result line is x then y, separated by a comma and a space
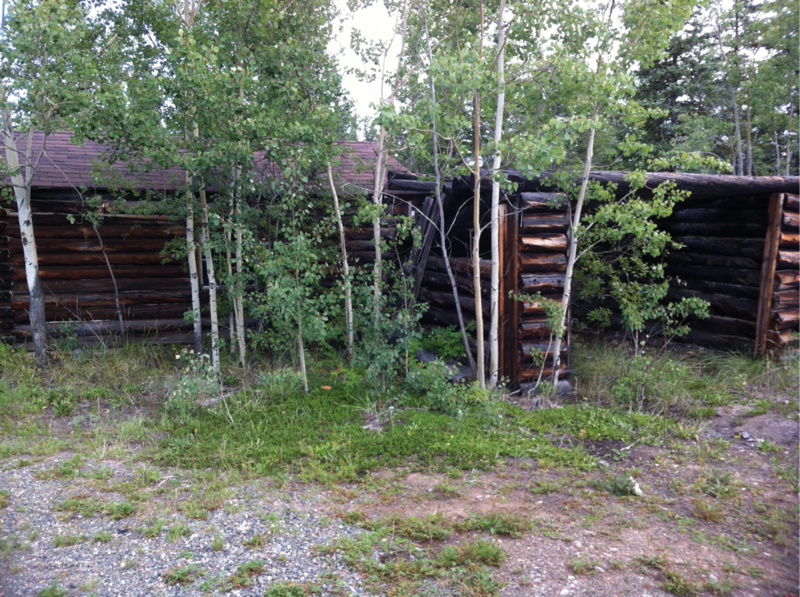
483, 552
52, 591
447, 489
290, 589
620, 485
217, 543
583, 565
181, 576
102, 537
353, 517
679, 585
120, 510
5, 499
497, 523
68, 468
706, 510
243, 577
426, 528
768, 446
153, 529
718, 484
84, 506
255, 542
715, 587
178, 530
68, 540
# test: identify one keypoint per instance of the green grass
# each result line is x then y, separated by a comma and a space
52, 591
5, 498
181, 576
243, 577
68, 540
177, 531
102, 537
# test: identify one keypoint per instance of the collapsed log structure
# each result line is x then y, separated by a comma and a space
85, 268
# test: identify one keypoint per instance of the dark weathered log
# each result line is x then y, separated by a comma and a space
791, 221
60, 219
777, 340
106, 285
744, 230
5, 296
440, 281
710, 274
785, 319
79, 259
355, 246
683, 257
67, 230
362, 257
4, 254
112, 327
3, 226
730, 326
787, 279
790, 240
6, 283
791, 203
728, 306
417, 186
6, 312
108, 299
444, 317
717, 219
543, 242
542, 262
545, 283
75, 245
543, 202
743, 247
97, 313
788, 259
751, 292
538, 307
544, 222
6, 324
718, 340
462, 265
786, 299
445, 300
100, 271
5, 242
367, 233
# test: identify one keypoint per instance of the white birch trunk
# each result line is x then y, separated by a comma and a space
494, 326
348, 301
239, 301
476, 242
194, 282
21, 183
212, 283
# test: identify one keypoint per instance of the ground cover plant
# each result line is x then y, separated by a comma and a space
561, 474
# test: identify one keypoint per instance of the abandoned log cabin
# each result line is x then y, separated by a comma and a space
740, 253
153, 287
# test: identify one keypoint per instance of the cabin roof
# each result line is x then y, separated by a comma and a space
65, 164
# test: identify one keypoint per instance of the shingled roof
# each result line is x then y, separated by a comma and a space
65, 164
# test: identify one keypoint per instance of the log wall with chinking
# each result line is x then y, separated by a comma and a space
783, 321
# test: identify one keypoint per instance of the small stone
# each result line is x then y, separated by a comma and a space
745, 435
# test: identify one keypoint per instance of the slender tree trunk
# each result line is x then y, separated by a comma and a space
22, 193
377, 198
788, 154
348, 301
301, 352
120, 315
494, 327
573, 250
240, 331
749, 139
476, 223
212, 282
737, 134
440, 203
194, 282
777, 155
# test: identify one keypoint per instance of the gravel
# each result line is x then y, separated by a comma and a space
131, 564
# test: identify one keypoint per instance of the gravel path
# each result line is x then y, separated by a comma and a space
282, 529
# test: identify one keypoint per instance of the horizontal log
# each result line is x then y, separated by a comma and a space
718, 217
543, 242
366, 233
418, 186
724, 230
730, 326
742, 247
789, 240
788, 259
5, 296
101, 271
6, 312
543, 202
106, 285
719, 341
6, 324
5, 254
545, 283
445, 317
108, 299
682, 257
544, 222
689, 273
3, 226
445, 300
6, 241
67, 230
441, 281
359, 245
791, 221
787, 279
792, 203
362, 257
6, 281
538, 307
105, 327
75, 245
785, 319
528, 373
534, 327
97, 313
785, 299
462, 265
728, 306
542, 262
78, 259
542, 349
51, 218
